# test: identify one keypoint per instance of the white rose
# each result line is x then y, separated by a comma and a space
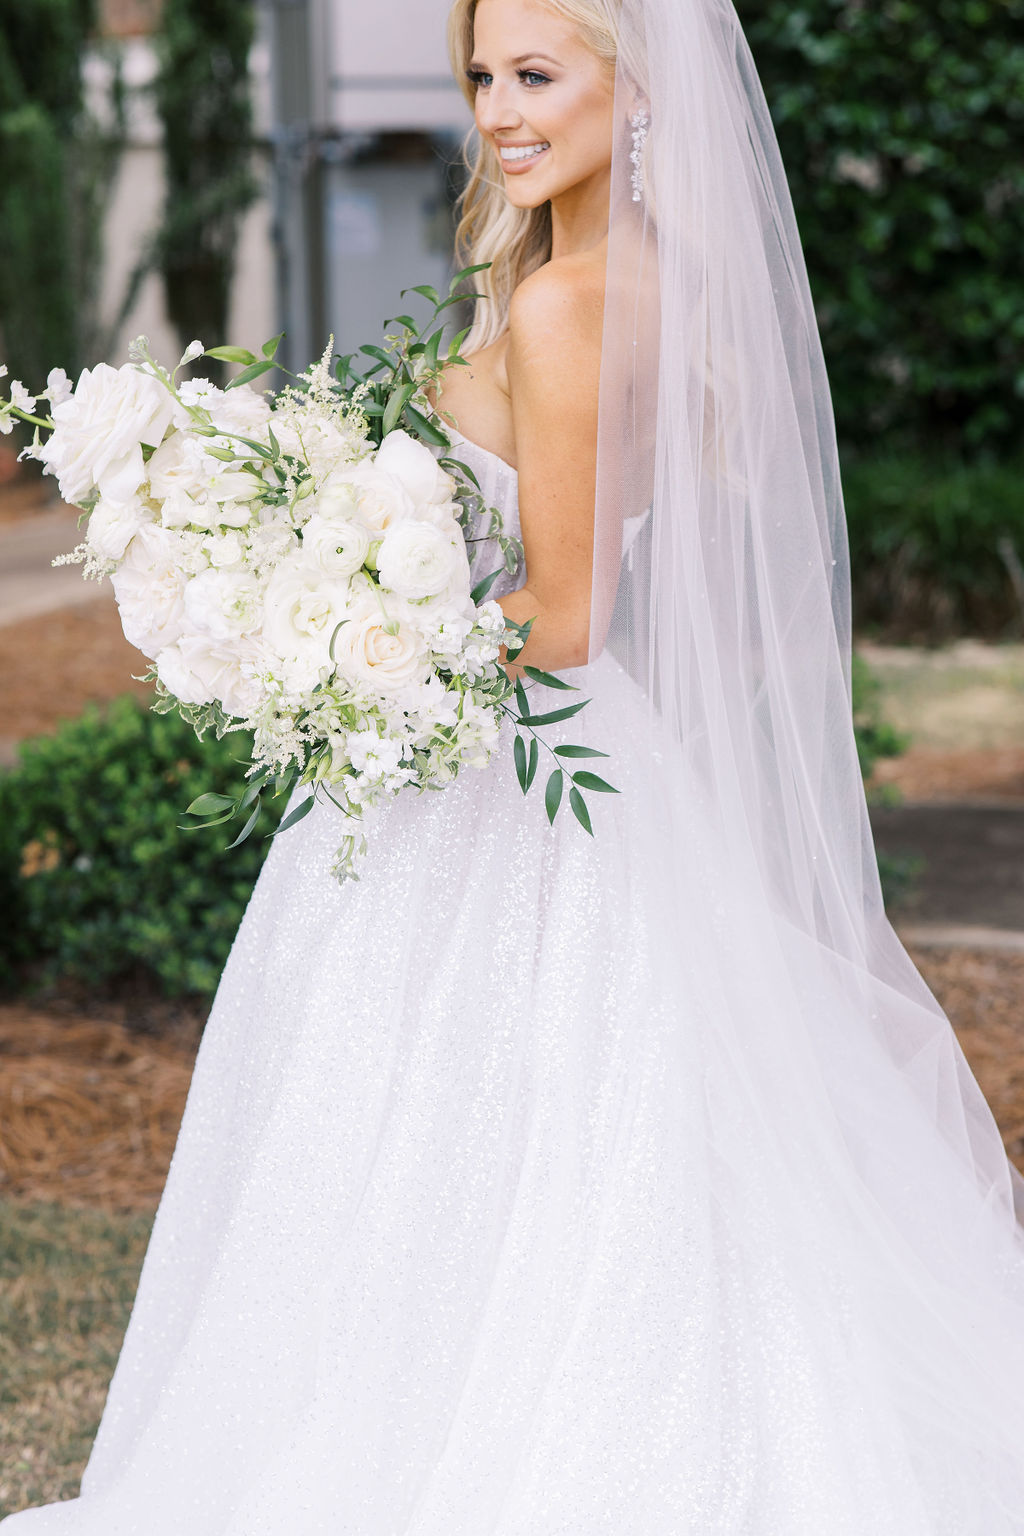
223, 603
369, 657
202, 671
416, 467
301, 611
335, 546
149, 585
226, 550
99, 432
112, 526
418, 560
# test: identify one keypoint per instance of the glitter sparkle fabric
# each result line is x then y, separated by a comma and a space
515, 1197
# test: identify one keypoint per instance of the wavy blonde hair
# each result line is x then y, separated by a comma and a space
516, 241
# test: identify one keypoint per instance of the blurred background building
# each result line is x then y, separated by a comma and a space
356, 134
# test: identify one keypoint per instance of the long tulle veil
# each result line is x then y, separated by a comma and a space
721, 583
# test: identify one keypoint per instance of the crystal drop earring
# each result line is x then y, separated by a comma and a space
641, 125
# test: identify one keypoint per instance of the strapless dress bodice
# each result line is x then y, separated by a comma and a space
499, 486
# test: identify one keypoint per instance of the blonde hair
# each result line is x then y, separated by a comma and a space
516, 241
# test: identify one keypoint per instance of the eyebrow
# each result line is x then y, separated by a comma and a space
522, 59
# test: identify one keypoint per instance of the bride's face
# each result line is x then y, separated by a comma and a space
544, 100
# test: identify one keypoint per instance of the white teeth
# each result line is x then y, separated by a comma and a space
522, 151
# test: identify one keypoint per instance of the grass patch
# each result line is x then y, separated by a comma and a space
67, 1282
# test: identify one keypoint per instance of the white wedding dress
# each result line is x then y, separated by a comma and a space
497, 1212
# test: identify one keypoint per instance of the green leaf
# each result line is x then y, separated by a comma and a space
275, 446
548, 679
449, 463
522, 703
553, 795
248, 374
270, 347
519, 753
209, 805
555, 715
246, 830
406, 321
396, 405
231, 354
579, 752
531, 772
379, 354
424, 428
579, 810
429, 293
482, 588
294, 817
460, 277
591, 781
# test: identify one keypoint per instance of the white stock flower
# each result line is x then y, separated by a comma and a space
113, 525
417, 560
149, 585
301, 611
198, 670
58, 387
21, 397
243, 410
335, 546
223, 604
100, 430
414, 464
369, 657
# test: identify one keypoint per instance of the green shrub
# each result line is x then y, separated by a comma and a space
99, 881
875, 737
936, 547
901, 124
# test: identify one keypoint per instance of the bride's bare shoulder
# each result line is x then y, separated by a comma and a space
559, 305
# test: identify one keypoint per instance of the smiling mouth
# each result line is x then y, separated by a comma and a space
518, 154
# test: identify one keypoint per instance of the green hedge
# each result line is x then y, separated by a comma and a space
936, 547
99, 881
901, 123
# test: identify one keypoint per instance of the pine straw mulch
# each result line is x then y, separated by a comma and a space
89, 1107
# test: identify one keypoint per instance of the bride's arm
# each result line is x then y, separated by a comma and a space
554, 359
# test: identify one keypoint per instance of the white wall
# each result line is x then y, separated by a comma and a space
387, 66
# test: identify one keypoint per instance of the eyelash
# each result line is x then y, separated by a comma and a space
531, 78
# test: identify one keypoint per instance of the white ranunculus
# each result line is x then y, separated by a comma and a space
223, 603
112, 526
149, 585
369, 657
382, 498
336, 499
417, 560
336, 546
414, 464
100, 431
198, 670
301, 611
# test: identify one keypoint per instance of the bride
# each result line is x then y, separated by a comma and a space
545, 1184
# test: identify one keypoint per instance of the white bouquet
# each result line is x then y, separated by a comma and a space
296, 565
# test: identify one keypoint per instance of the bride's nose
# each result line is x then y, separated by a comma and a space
495, 111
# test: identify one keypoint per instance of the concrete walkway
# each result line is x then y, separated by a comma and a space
29, 585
